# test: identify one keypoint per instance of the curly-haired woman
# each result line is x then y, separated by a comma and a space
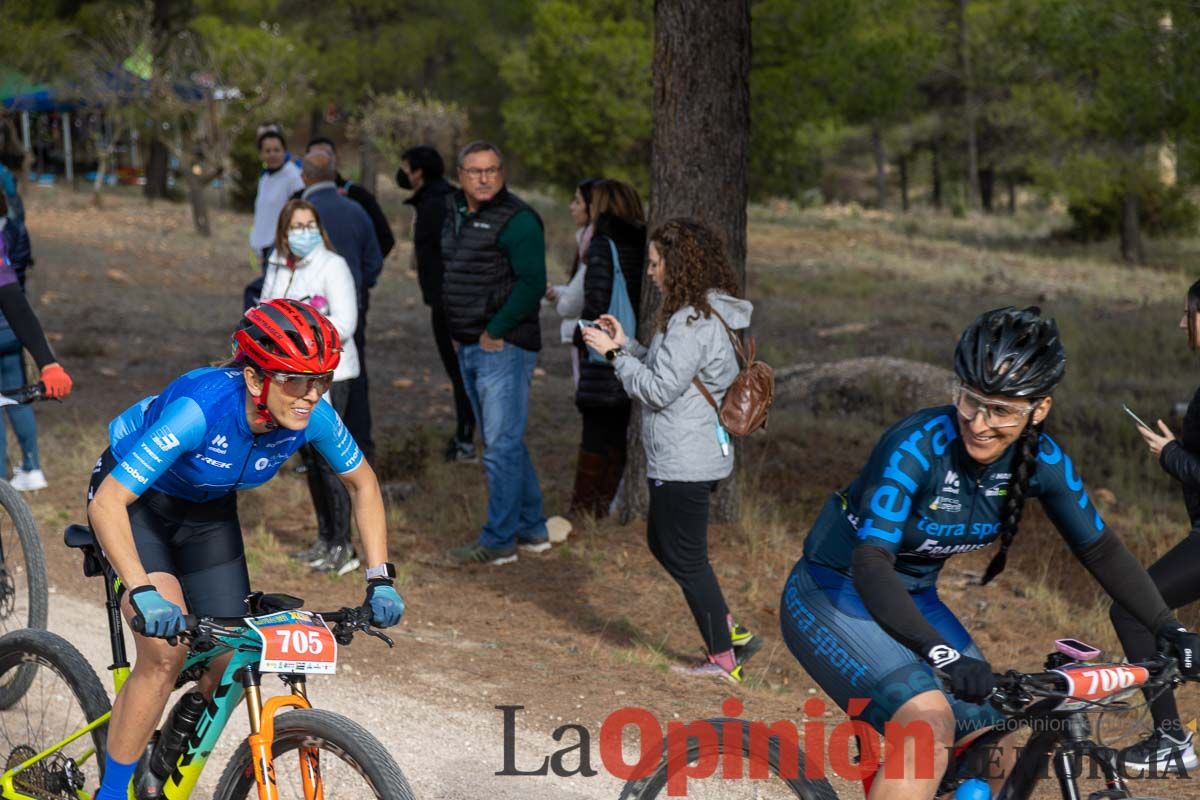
685, 452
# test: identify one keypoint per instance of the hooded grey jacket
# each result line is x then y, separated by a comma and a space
678, 425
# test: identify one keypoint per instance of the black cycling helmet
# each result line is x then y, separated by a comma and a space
1011, 352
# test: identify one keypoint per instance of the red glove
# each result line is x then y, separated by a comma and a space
56, 380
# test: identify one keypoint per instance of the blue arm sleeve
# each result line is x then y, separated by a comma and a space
333, 441
1062, 493
180, 429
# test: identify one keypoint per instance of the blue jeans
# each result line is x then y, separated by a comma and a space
498, 387
12, 375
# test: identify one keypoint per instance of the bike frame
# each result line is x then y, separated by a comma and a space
241, 678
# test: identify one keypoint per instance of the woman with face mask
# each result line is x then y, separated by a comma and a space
304, 267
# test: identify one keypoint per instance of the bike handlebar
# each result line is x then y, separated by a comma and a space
1014, 688
346, 622
26, 394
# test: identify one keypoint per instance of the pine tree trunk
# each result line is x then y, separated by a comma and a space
698, 161
902, 168
1131, 233
935, 167
968, 79
370, 166
1010, 182
987, 188
156, 169
880, 165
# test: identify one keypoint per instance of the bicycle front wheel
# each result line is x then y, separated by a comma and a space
62, 696
353, 764
23, 597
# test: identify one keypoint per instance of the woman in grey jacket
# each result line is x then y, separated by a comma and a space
685, 455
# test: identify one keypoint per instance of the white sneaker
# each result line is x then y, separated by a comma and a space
29, 481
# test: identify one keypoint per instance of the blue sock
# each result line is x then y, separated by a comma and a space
116, 780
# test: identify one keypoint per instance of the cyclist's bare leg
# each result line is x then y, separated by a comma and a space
140, 703
1000, 763
926, 711
212, 676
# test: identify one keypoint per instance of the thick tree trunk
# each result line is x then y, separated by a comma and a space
1131, 232
902, 168
968, 78
987, 188
370, 166
880, 165
698, 161
156, 169
935, 167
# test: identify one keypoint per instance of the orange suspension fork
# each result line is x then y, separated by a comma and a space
262, 735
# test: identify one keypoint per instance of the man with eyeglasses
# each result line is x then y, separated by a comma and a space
494, 251
353, 237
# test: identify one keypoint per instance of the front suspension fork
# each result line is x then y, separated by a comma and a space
262, 735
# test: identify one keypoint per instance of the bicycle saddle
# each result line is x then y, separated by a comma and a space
259, 603
82, 537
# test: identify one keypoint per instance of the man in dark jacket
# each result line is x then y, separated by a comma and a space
494, 252
421, 170
353, 239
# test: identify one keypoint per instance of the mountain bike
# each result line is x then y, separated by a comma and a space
53, 740
1053, 704
23, 583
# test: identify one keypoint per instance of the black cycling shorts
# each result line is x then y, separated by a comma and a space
199, 543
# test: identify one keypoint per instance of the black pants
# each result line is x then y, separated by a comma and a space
677, 532
464, 429
331, 501
358, 404
1177, 576
604, 428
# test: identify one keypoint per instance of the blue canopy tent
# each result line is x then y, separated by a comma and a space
18, 93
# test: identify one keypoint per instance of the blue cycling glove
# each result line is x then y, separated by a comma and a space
158, 617
386, 604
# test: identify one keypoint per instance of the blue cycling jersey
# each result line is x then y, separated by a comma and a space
193, 441
922, 498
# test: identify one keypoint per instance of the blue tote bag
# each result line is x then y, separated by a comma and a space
619, 305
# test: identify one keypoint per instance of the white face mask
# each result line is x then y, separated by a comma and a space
301, 243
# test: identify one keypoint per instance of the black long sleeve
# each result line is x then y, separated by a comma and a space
383, 231
597, 283
1126, 580
885, 596
1181, 464
16, 309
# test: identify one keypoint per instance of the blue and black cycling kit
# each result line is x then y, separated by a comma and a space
186, 453
919, 500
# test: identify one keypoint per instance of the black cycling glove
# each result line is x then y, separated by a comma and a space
970, 679
1184, 645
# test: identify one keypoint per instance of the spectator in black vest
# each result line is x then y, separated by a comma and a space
353, 239
422, 171
619, 223
494, 252
357, 193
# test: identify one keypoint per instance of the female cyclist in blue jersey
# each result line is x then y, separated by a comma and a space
163, 500
860, 609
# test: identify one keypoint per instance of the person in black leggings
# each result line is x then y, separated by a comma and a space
1176, 574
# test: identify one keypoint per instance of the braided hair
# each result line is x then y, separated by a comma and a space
1024, 463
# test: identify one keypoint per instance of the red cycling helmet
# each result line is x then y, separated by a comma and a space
288, 336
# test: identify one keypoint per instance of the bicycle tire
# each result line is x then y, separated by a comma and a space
30, 542
649, 787
36, 649
359, 748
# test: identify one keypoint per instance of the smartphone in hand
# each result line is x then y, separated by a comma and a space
588, 323
1136, 418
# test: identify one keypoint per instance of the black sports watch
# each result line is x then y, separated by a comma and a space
385, 570
611, 355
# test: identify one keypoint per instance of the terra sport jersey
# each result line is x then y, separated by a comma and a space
194, 442
922, 498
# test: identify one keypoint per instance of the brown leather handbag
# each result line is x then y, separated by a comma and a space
744, 408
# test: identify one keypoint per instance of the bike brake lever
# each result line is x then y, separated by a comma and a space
379, 635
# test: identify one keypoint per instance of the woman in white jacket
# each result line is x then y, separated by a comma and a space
303, 266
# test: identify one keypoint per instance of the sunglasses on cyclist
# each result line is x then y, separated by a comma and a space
996, 413
300, 385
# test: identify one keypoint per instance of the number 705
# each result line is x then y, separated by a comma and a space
301, 642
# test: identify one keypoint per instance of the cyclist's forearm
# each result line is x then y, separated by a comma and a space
888, 601
110, 520
369, 512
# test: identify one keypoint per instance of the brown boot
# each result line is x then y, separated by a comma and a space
590, 472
